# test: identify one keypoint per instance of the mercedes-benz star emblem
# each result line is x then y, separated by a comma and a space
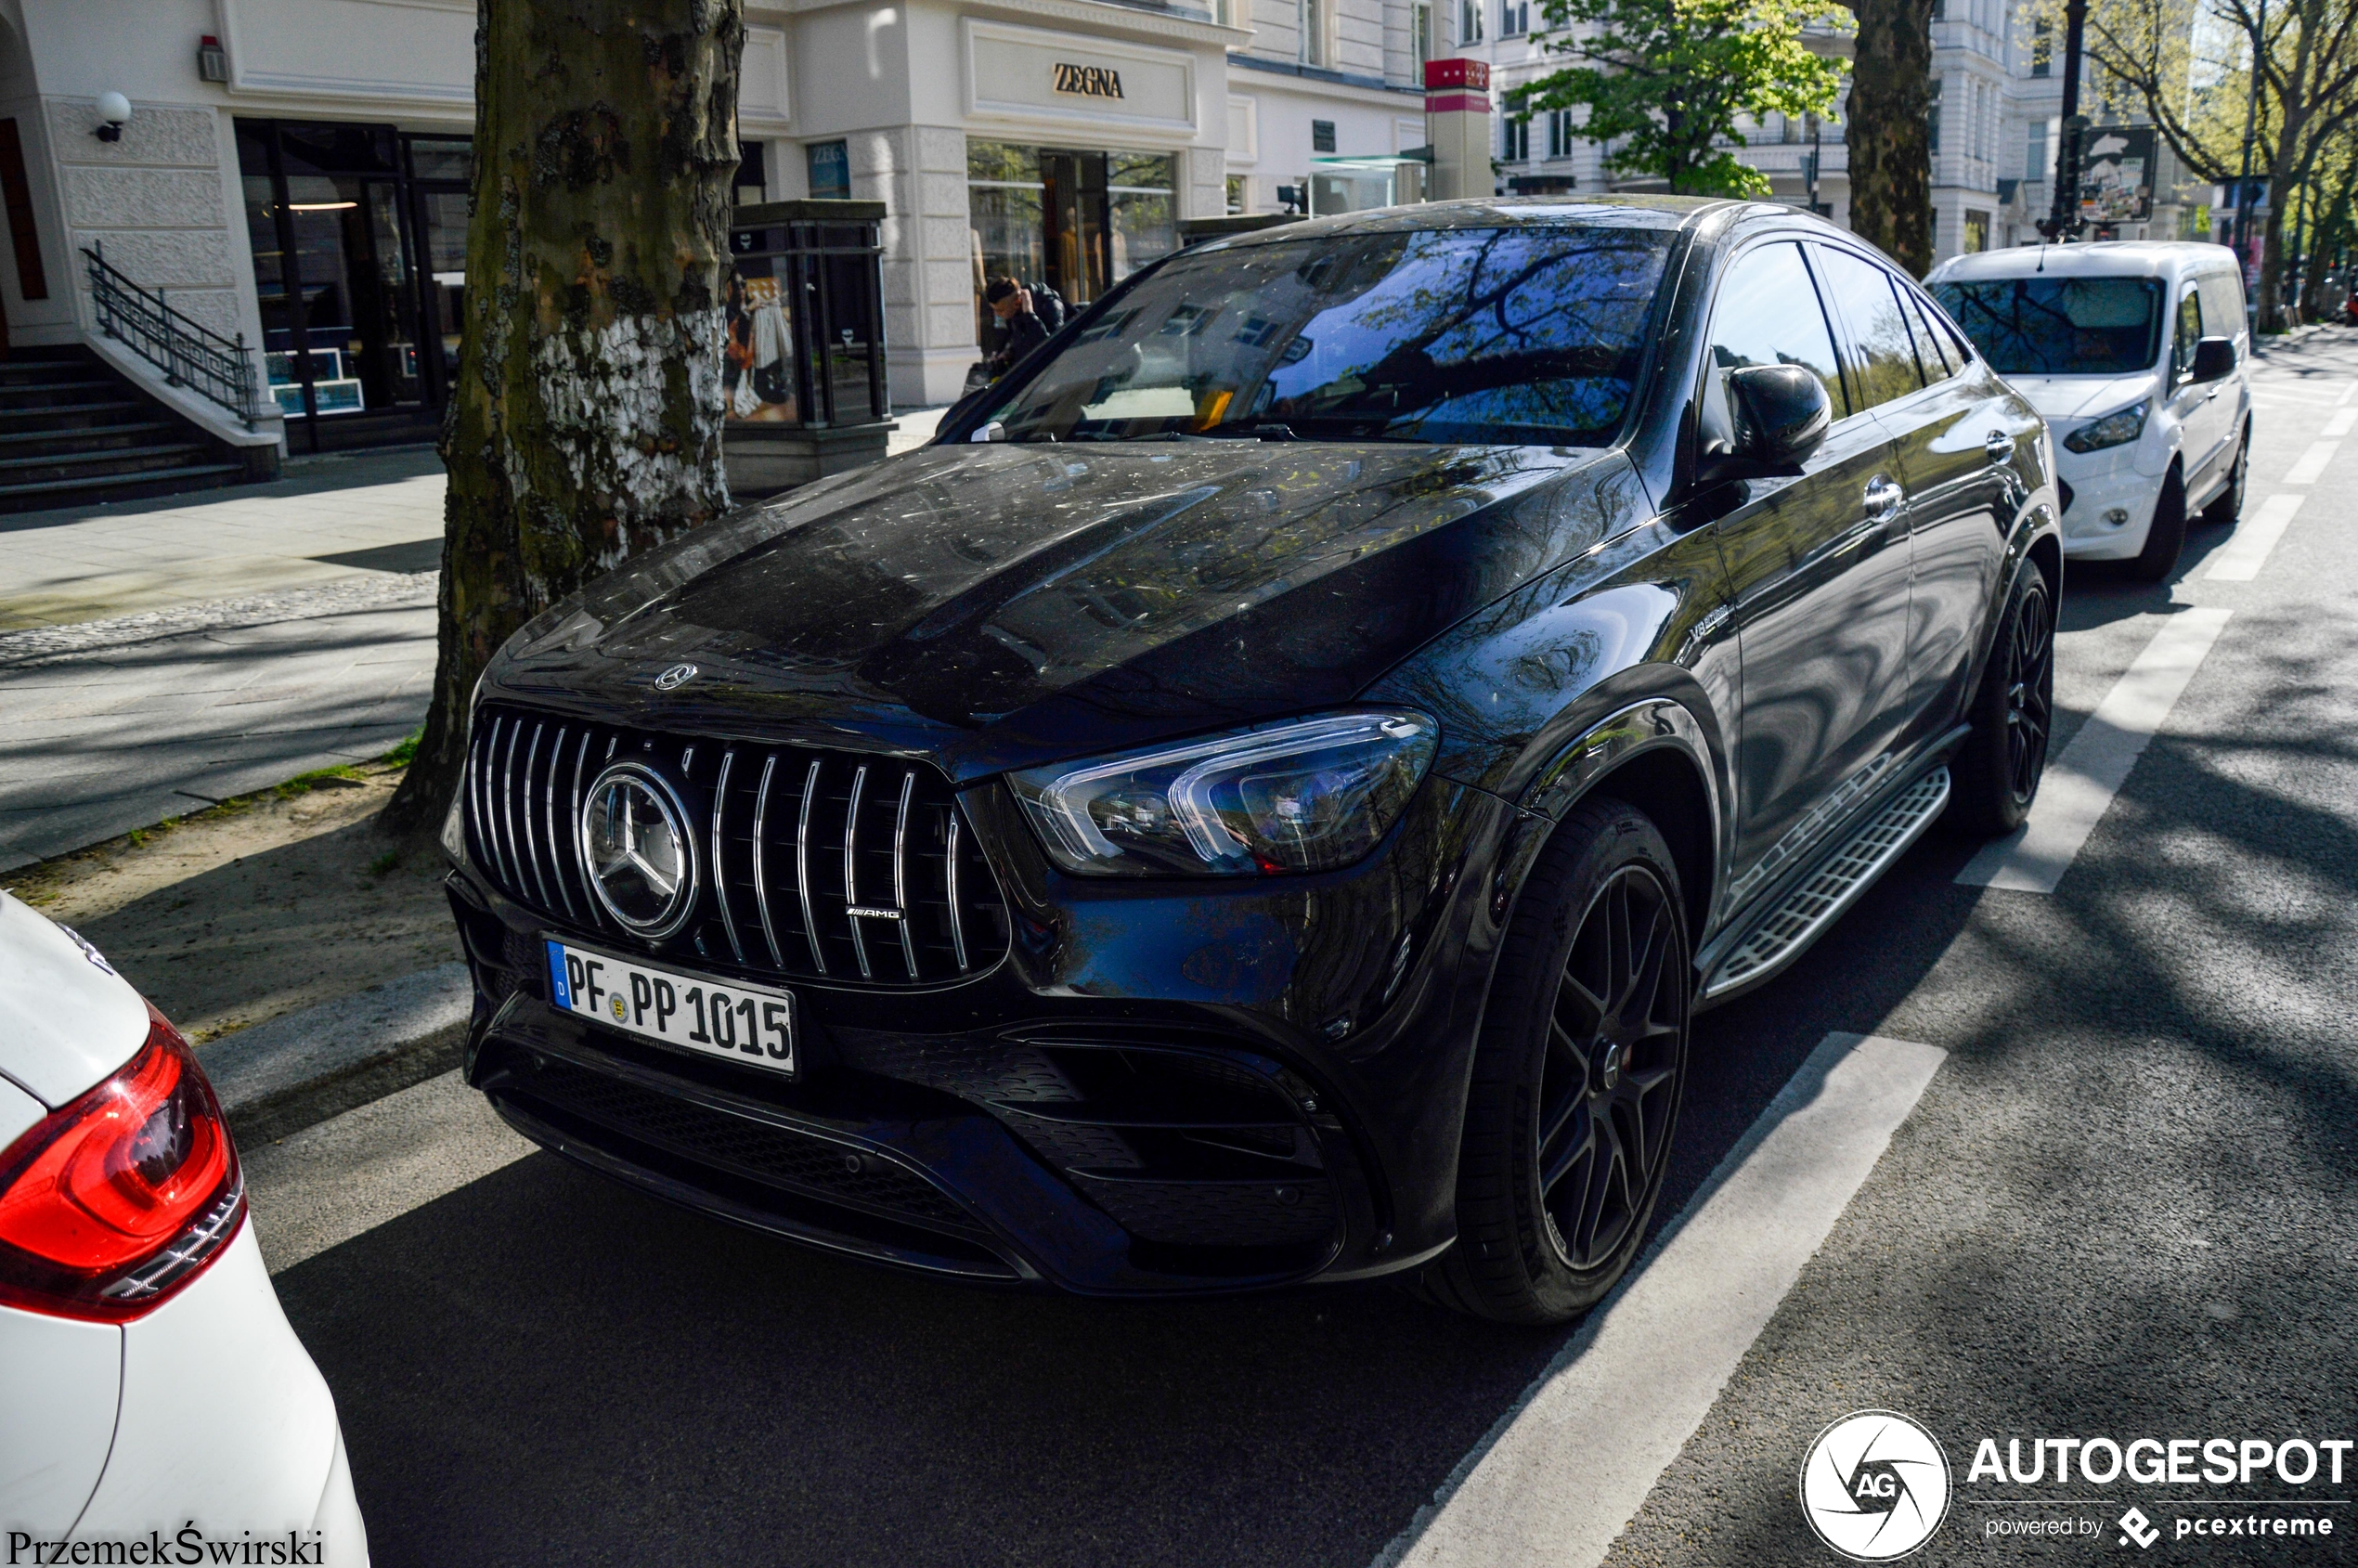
679, 675
641, 856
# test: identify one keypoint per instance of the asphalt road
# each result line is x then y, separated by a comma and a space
2121, 1209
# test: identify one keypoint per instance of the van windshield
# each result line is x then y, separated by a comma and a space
1531, 335
2059, 326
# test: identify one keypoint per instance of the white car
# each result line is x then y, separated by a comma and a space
152, 1394
2136, 355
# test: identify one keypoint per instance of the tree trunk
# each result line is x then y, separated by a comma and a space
2272, 232
1890, 144
585, 425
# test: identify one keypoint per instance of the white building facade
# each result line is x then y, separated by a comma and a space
297, 169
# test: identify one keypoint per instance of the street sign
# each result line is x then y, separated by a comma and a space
2116, 173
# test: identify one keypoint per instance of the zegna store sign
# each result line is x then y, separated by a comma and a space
1026, 73
1089, 81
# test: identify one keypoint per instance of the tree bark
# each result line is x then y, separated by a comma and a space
1889, 142
585, 425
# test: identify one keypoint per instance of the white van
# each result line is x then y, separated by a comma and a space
2137, 355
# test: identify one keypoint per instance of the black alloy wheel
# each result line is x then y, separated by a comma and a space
1997, 771
1574, 1108
2030, 695
2228, 504
1607, 1086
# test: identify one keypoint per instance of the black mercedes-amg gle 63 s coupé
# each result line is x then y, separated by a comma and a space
1260, 797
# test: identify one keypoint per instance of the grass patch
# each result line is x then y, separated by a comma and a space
404, 754
303, 784
389, 861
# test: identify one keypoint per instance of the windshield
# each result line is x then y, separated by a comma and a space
2060, 326
1524, 335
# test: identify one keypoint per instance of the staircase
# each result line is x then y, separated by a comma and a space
73, 431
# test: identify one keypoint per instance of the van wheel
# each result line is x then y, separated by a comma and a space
1998, 768
2167, 538
2228, 504
1577, 1079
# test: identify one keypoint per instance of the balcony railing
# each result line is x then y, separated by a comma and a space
189, 354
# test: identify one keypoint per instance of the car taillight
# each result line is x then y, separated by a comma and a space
118, 1199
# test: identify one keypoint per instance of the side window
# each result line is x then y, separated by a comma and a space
1768, 314
1881, 349
2181, 348
1938, 367
2223, 305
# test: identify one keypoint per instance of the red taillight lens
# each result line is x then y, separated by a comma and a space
118, 1199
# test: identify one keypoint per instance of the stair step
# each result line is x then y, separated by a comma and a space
119, 487
12, 394
91, 437
145, 457
73, 415
1820, 901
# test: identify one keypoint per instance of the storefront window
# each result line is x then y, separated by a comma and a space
1074, 222
358, 237
1146, 212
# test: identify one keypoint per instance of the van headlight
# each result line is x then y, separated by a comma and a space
2113, 430
1308, 794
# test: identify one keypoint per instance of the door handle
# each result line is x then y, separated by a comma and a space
1883, 498
2000, 445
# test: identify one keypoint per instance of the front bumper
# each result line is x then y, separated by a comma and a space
1163, 1087
2112, 502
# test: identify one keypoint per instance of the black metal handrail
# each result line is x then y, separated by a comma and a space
189, 354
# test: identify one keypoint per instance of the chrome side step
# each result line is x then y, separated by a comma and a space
1788, 930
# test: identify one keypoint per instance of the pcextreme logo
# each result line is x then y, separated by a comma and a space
1875, 1486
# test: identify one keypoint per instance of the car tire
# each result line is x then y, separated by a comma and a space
2228, 504
1997, 771
2167, 538
1577, 1077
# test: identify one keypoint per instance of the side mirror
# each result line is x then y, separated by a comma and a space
2214, 360
1781, 414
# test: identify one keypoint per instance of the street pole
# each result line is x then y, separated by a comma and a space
2062, 212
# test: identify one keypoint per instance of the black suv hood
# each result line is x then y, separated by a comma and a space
989, 606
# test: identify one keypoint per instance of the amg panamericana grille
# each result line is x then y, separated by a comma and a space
811, 864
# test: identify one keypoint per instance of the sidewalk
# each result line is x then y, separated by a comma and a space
156, 656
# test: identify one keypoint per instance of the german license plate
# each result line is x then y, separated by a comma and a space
747, 1024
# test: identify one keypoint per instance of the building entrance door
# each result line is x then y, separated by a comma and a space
1075, 203
356, 342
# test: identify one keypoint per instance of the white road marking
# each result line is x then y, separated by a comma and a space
2340, 425
2082, 781
2346, 393
2311, 466
1565, 1472
2241, 557
353, 1172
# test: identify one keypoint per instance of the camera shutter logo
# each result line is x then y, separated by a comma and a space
1875, 1486
640, 853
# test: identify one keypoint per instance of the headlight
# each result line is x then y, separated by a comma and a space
2110, 431
1307, 795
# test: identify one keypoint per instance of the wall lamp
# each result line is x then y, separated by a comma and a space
114, 111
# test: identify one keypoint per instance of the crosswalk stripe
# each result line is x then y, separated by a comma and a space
2240, 558
2311, 466
2082, 781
